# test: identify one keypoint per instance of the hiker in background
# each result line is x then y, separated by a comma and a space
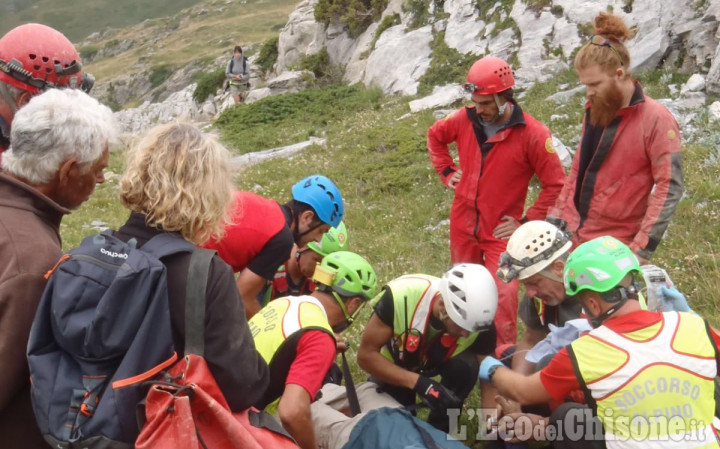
423, 326
34, 58
238, 75
294, 277
500, 148
296, 337
60, 147
626, 176
648, 376
261, 232
178, 181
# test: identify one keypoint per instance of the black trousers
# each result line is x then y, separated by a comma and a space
459, 375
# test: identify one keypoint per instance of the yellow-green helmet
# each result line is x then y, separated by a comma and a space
333, 240
598, 265
348, 274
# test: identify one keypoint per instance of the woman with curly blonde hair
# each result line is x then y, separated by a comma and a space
178, 181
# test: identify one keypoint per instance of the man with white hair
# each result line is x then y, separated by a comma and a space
60, 147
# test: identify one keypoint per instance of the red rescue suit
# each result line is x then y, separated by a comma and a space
494, 183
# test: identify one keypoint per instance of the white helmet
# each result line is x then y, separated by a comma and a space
470, 296
532, 247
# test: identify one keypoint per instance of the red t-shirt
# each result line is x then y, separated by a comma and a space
315, 354
559, 378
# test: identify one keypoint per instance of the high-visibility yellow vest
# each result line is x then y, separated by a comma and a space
413, 296
653, 387
282, 318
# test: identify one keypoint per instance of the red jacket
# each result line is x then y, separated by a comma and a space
255, 220
495, 179
632, 182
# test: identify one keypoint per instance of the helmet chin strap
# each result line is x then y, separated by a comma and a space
501, 111
7, 98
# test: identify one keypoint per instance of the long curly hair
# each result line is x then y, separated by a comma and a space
612, 28
180, 178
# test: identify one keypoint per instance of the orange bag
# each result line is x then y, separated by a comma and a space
185, 408
190, 412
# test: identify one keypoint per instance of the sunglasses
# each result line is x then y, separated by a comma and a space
601, 41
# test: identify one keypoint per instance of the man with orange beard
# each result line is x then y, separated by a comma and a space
626, 177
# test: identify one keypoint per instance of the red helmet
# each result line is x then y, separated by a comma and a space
488, 76
35, 57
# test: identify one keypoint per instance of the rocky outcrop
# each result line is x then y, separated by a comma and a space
399, 60
681, 35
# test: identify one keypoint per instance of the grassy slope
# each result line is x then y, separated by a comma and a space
192, 36
394, 200
79, 18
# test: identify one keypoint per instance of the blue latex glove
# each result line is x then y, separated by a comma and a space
488, 367
673, 301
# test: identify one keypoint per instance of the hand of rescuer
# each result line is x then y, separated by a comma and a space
454, 179
672, 300
506, 229
435, 395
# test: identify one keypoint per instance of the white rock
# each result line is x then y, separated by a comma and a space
253, 158
673, 89
556, 117
464, 29
647, 51
534, 62
691, 101
291, 81
297, 35
258, 94
565, 96
694, 84
503, 45
714, 111
441, 96
442, 113
564, 152
565, 36
399, 60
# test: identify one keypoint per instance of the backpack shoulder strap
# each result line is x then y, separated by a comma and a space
198, 273
232, 64
165, 244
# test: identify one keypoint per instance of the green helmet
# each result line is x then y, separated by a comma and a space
598, 265
333, 240
348, 274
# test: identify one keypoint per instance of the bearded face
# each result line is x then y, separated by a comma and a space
605, 104
604, 93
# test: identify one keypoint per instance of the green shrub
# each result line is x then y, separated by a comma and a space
419, 11
319, 64
88, 52
354, 15
557, 10
447, 66
208, 83
285, 119
268, 55
160, 74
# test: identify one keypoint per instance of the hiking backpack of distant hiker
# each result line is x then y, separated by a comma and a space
102, 329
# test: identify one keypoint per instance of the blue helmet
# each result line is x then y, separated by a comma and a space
324, 197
